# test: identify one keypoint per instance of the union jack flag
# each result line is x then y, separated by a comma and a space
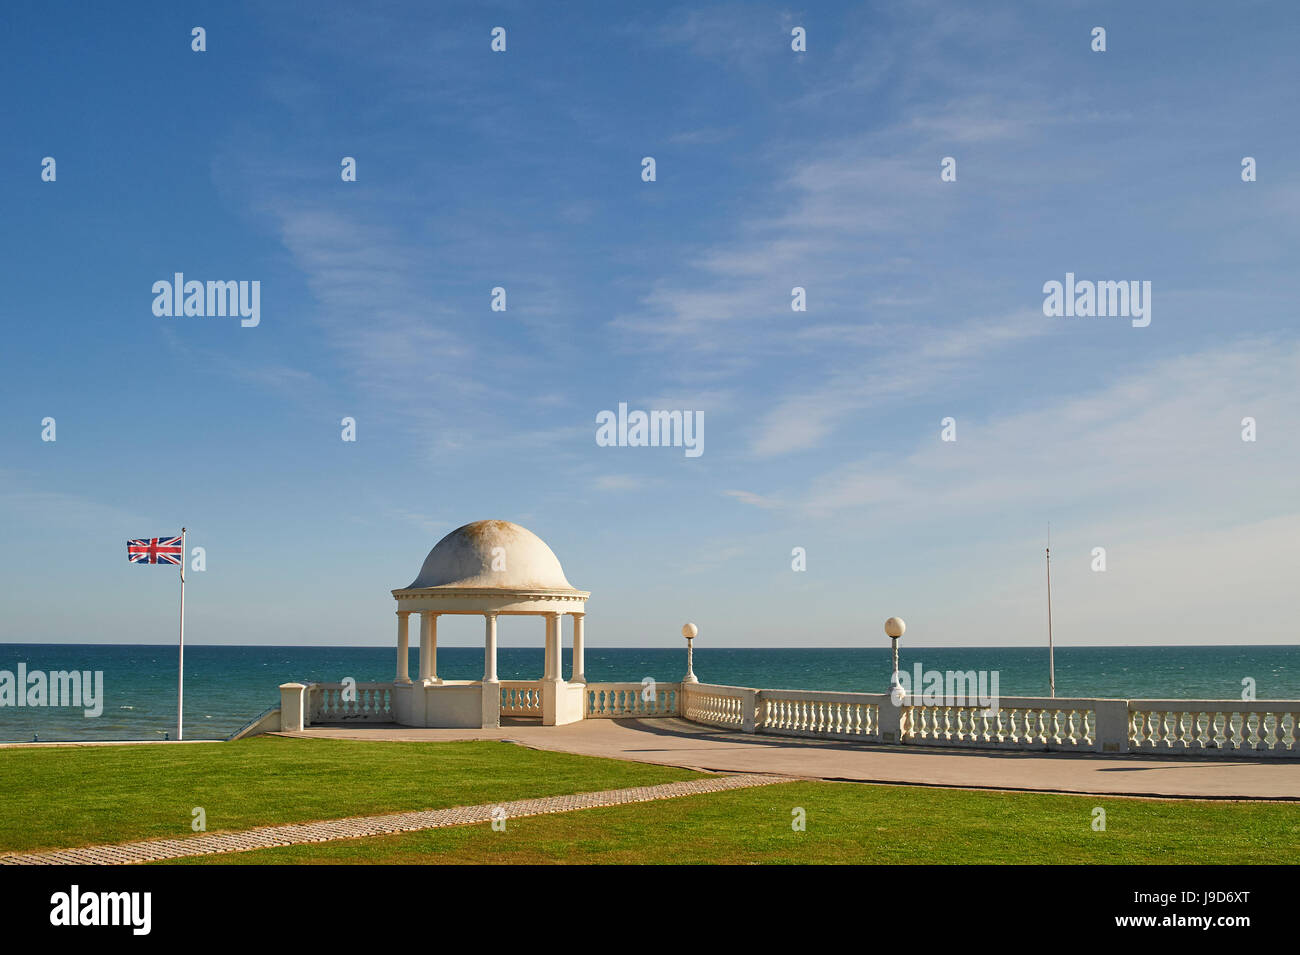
155, 550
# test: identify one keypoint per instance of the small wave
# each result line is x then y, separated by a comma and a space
126, 707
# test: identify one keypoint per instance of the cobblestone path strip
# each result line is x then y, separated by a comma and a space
266, 837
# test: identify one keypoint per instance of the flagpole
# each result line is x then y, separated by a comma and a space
180, 674
1051, 648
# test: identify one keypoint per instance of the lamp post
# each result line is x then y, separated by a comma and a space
894, 628
690, 632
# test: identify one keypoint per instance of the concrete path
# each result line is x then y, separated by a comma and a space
675, 742
154, 850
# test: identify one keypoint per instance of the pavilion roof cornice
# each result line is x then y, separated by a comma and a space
495, 592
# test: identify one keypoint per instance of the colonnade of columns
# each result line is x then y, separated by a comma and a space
428, 672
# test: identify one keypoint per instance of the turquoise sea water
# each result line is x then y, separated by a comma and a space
226, 686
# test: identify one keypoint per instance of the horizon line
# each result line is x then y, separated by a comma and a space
471, 646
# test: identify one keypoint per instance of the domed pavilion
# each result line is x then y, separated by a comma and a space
488, 568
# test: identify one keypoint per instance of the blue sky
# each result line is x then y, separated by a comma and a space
775, 169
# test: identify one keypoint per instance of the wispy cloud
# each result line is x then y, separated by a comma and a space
934, 361
1167, 434
755, 500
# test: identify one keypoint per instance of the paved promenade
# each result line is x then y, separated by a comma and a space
675, 742
265, 837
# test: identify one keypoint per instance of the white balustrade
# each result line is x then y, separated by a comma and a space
623, 700
724, 706
1012, 723
1171, 727
350, 702
820, 714
1215, 727
521, 698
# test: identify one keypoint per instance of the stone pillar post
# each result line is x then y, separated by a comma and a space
579, 674
293, 707
403, 646
893, 719
1112, 726
749, 704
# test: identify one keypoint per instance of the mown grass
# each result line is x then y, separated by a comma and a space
846, 823
63, 797
77, 796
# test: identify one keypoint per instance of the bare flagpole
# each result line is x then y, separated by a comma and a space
180, 674
1051, 648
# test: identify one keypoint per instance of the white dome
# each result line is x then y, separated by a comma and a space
496, 555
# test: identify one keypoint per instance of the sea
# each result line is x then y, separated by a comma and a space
226, 686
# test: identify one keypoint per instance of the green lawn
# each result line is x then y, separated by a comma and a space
62, 797
846, 823
76, 796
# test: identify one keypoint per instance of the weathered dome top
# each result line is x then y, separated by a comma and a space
495, 555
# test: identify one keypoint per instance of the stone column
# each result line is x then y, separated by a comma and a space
552, 673
429, 647
579, 674
433, 648
403, 646
490, 700
490, 649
